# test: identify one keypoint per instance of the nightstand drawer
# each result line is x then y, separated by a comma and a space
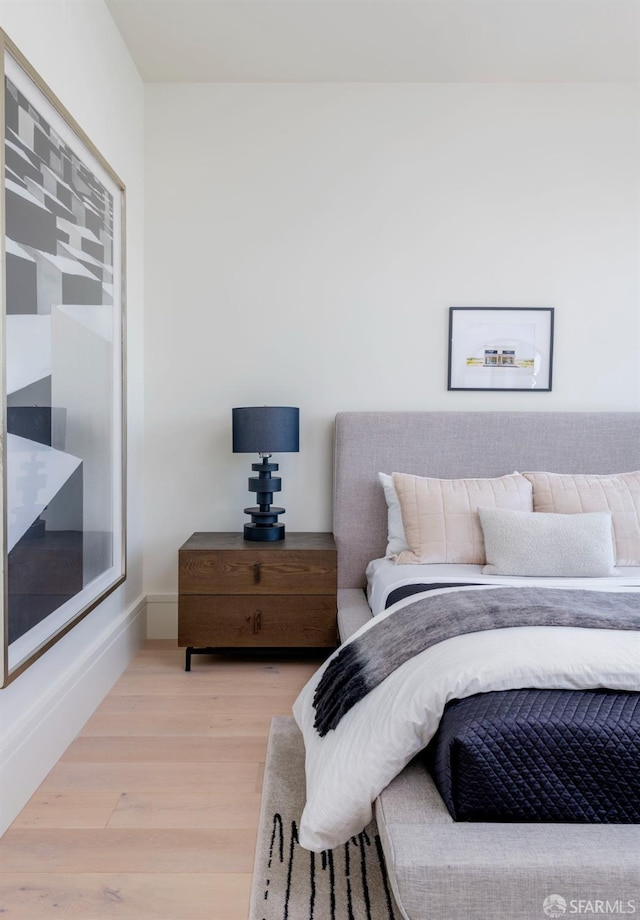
257, 572
290, 621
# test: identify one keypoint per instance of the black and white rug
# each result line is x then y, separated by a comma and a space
291, 883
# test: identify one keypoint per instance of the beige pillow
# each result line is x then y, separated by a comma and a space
573, 493
440, 516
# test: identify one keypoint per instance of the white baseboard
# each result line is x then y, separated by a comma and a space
38, 741
162, 616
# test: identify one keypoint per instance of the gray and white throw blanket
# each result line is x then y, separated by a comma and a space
377, 701
371, 657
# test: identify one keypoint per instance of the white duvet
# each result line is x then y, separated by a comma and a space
348, 768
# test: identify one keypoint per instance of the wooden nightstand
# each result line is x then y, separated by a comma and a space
235, 593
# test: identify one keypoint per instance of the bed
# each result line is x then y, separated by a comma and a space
440, 868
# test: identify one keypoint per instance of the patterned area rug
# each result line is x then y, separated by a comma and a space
291, 883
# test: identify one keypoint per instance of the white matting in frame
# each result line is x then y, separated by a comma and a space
500, 348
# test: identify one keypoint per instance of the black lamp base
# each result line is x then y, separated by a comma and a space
264, 526
261, 534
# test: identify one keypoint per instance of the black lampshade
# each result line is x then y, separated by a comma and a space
266, 430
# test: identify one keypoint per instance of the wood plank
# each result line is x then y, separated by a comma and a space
145, 778
180, 749
176, 723
217, 674
221, 809
230, 704
127, 896
118, 850
62, 809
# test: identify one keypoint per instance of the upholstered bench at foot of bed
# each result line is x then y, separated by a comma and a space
443, 870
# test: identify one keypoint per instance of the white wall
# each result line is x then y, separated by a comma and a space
304, 244
77, 50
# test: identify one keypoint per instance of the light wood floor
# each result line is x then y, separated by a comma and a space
152, 812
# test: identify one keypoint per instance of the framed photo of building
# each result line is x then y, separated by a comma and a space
500, 348
63, 448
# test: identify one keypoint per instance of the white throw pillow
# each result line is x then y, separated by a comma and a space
395, 531
540, 544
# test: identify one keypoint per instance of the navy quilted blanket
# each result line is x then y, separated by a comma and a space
540, 755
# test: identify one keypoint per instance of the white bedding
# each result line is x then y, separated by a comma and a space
348, 768
384, 576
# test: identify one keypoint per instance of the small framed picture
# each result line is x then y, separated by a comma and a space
500, 348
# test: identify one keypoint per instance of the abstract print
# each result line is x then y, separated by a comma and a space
63, 370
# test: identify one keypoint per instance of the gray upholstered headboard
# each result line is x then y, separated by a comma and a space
452, 445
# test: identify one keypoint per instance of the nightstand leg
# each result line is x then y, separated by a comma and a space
192, 650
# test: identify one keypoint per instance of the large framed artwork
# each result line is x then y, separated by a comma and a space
63, 478
500, 348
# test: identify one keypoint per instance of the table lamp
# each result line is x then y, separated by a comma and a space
265, 430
